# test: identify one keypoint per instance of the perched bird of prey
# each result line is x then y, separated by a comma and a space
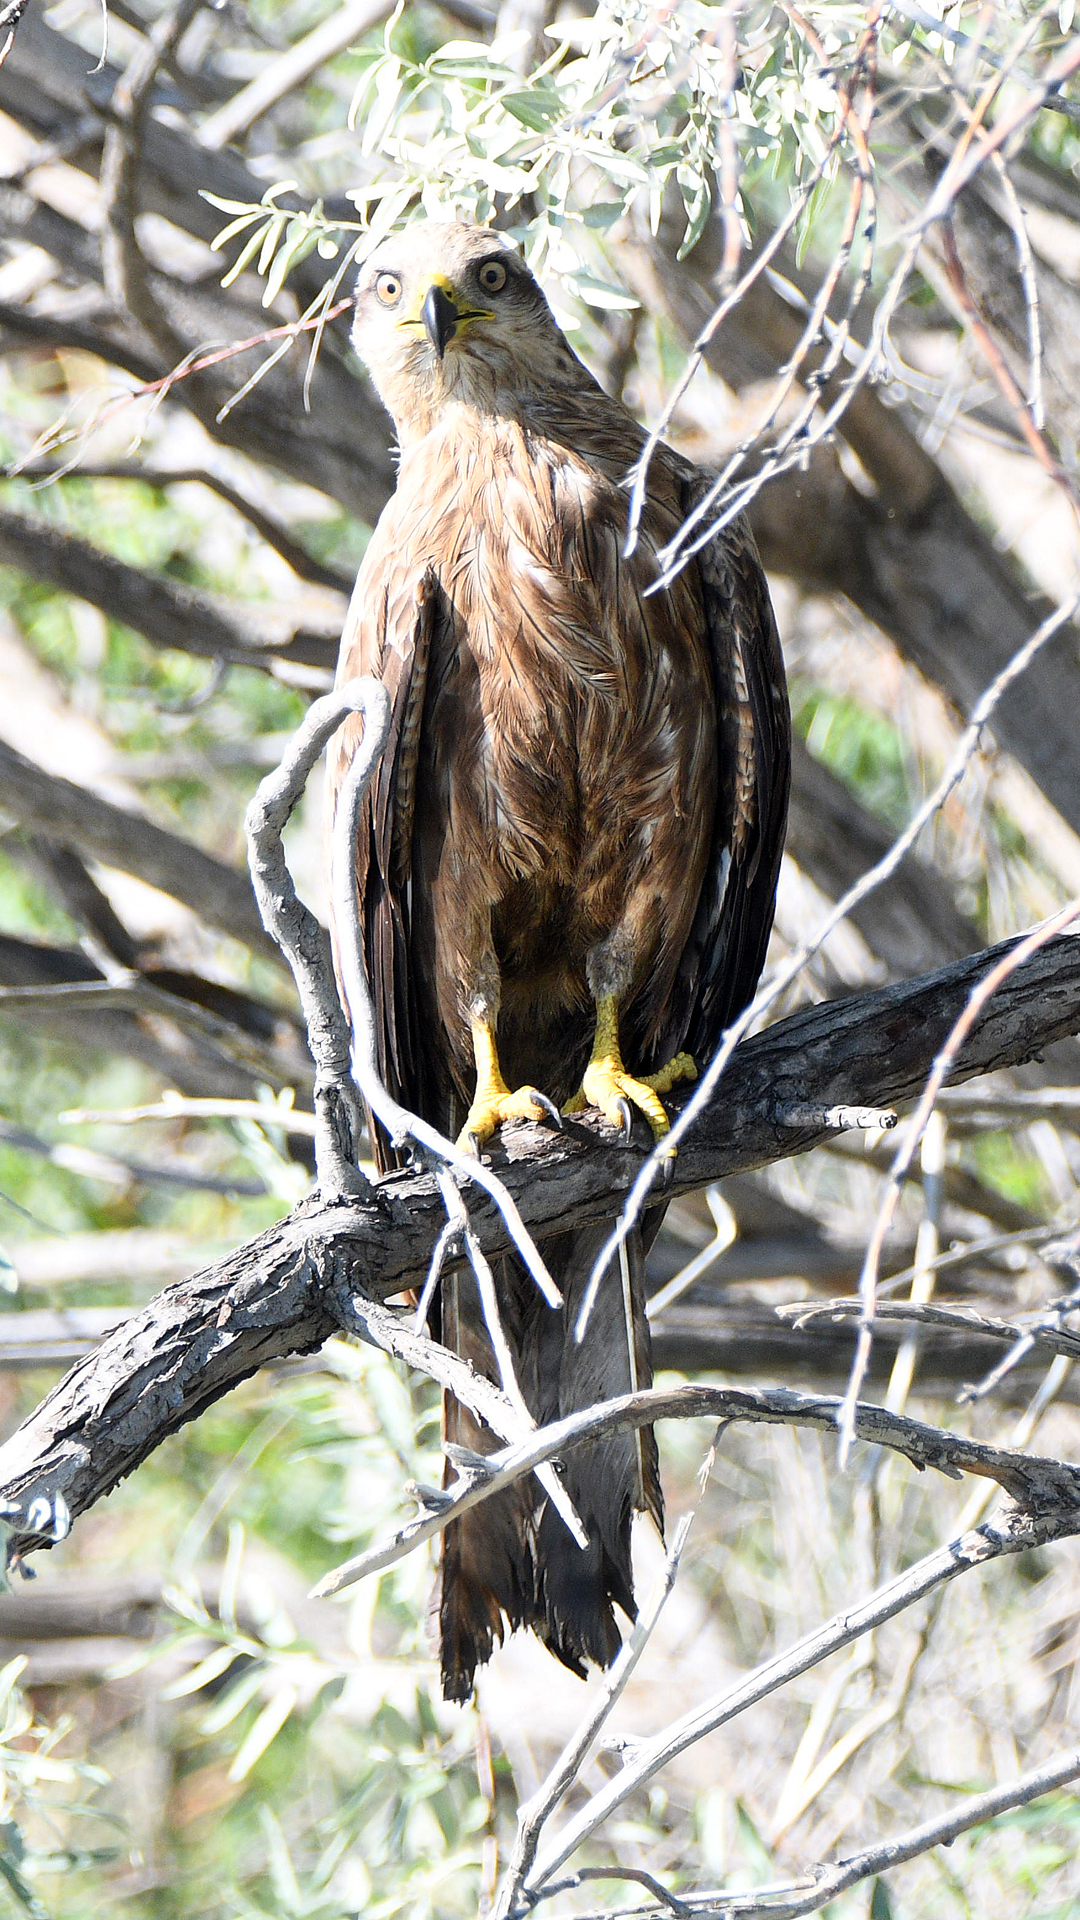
568, 854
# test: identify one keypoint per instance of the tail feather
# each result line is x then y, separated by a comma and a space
487, 1578
512, 1560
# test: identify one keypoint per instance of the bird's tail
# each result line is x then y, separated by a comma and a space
512, 1561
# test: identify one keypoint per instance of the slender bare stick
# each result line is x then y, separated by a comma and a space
563, 1774
829, 1881
1032, 1480
303, 941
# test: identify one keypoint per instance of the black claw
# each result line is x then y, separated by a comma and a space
626, 1115
551, 1111
667, 1172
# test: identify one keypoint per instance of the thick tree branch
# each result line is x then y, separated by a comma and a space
277, 1294
165, 612
101, 831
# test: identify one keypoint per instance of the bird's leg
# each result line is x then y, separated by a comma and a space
493, 1101
607, 1085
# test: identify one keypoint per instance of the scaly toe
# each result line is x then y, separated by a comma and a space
490, 1110
680, 1068
610, 1088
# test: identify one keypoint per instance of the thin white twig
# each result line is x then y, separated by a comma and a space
976, 1001
1030, 283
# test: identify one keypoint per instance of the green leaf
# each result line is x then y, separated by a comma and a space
603, 213
201, 1675
265, 1729
246, 254
229, 206
697, 202
597, 293
236, 226
536, 108
289, 255
233, 1700
271, 238
881, 1906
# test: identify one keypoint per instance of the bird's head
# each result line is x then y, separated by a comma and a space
451, 314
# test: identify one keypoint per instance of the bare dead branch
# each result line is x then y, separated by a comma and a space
300, 936
1033, 1482
956, 1319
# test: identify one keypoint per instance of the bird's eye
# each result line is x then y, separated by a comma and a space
388, 288
493, 276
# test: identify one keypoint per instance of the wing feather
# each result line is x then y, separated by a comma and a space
389, 632
726, 950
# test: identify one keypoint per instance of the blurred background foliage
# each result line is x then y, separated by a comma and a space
184, 1731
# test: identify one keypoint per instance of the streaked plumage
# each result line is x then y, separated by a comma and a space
581, 808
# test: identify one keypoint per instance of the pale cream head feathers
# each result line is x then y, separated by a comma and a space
451, 314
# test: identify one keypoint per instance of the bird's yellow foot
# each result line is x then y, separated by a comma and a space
607, 1085
493, 1102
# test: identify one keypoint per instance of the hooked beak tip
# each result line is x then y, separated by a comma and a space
440, 318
